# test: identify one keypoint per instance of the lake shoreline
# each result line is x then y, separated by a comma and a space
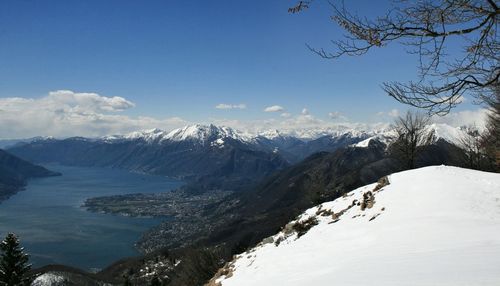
55, 229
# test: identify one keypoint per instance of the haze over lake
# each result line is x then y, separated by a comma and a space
54, 228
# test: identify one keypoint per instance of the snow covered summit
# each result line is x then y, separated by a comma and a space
147, 135
202, 133
431, 226
440, 131
195, 133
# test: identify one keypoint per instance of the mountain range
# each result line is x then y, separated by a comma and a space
212, 156
206, 153
277, 195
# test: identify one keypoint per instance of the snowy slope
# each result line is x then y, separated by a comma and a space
48, 279
385, 137
451, 134
61, 278
430, 226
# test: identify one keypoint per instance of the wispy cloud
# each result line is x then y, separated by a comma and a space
231, 106
336, 115
393, 113
274, 108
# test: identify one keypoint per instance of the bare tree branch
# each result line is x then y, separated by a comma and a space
428, 26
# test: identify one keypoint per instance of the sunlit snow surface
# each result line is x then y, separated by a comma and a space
48, 279
440, 226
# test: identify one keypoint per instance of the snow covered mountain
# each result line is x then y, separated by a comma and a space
149, 135
204, 133
307, 134
200, 150
191, 153
197, 133
292, 146
313, 140
431, 226
452, 135
208, 133
297, 145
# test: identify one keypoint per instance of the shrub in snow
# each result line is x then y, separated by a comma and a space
368, 201
302, 227
382, 182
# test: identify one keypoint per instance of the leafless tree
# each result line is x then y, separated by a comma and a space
490, 140
412, 135
471, 143
428, 28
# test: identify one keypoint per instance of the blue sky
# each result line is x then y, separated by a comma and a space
179, 59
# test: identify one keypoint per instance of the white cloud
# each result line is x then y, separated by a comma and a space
286, 121
336, 115
231, 106
476, 118
87, 101
392, 113
305, 111
274, 108
66, 113
303, 120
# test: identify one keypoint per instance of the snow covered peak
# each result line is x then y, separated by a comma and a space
271, 134
203, 133
446, 132
197, 132
431, 226
209, 133
385, 137
307, 134
148, 135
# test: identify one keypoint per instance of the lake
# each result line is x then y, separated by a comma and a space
54, 229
